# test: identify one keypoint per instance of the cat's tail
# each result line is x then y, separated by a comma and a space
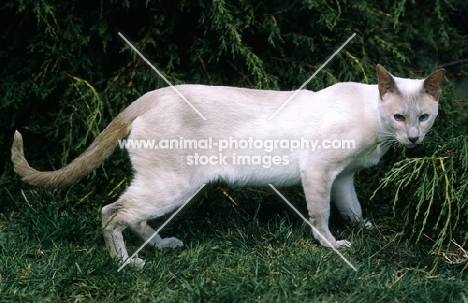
98, 151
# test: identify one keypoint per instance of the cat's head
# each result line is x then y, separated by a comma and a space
408, 107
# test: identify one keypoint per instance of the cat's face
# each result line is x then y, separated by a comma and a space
408, 108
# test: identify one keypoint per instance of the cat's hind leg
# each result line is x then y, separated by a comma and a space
144, 200
114, 221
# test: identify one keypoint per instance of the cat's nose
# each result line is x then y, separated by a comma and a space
413, 139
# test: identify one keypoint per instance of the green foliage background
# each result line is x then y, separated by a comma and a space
65, 73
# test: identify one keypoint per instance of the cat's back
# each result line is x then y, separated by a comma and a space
216, 103
350, 92
359, 102
232, 109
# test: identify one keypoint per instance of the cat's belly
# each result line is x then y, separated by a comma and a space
258, 175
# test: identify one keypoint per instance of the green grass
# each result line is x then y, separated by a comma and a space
248, 249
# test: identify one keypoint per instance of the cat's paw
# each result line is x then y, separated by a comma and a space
368, 225
136, 263
169, 243
337, 244
342, 243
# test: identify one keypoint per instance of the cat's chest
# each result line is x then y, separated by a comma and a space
367, 159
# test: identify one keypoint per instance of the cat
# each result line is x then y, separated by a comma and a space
351, 124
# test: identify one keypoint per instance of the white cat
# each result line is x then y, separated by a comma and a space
349, 123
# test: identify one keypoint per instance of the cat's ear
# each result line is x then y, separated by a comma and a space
386, 81
433, 83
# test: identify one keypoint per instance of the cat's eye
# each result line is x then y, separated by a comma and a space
399, 117
423, 117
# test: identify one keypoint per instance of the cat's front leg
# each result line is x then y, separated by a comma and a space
317, 186
343, 195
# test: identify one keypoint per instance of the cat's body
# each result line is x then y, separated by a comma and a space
356, 115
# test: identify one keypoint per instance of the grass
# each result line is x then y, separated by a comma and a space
241, 245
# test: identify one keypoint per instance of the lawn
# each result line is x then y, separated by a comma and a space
241, 245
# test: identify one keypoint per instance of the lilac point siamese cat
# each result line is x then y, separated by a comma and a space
371, 117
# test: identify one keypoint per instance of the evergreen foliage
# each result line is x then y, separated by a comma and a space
66, 73
430, 184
